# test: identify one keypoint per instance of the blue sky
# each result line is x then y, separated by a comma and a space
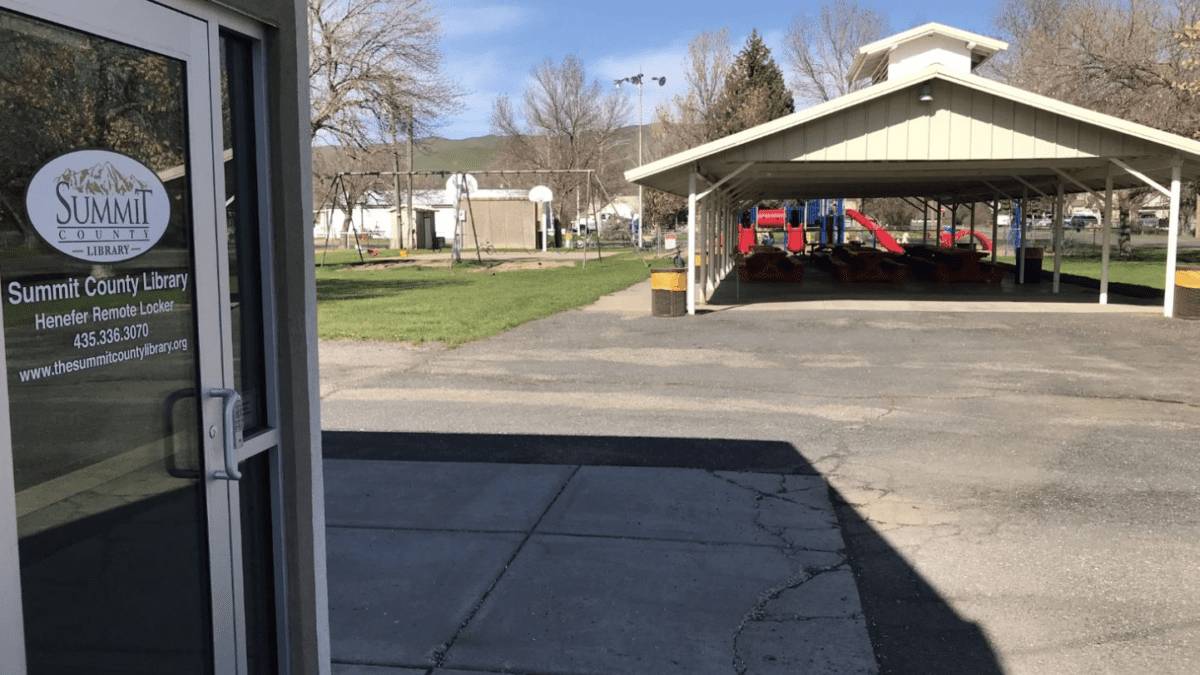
490, 47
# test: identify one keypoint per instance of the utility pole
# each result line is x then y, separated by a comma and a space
412, 225
398, 235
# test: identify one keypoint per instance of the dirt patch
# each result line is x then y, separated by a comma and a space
515, 265
491, 267
364, 267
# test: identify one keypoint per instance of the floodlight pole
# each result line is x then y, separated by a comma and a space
637, 79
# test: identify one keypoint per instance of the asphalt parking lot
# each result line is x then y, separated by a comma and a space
1018, 489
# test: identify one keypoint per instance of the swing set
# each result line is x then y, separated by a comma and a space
462, 189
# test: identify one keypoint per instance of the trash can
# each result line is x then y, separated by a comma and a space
1187, 293
439, 243
668, 291
1033, 265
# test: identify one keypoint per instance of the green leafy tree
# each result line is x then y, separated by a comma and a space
754, 90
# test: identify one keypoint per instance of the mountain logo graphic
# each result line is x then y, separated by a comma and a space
102, 179
98, 205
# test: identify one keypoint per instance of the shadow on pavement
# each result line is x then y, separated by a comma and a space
912, 628
681, 453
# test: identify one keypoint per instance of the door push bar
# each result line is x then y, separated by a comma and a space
233, 432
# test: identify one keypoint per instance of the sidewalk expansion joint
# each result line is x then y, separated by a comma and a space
438, 654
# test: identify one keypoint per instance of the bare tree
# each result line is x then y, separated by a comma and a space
374, 73
688, 119
563, 122
1136, 60
369, 59
819, 50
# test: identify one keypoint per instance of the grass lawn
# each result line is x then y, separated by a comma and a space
1148, 266
434, 303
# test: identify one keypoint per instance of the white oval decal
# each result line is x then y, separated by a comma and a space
98, 206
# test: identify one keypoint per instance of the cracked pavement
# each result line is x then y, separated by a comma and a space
444, 567
1010, 492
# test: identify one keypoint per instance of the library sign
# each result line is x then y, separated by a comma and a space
98, 206
105, 208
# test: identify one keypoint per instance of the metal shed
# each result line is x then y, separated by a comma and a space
938, 132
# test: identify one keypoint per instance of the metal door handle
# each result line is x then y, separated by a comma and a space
233, 432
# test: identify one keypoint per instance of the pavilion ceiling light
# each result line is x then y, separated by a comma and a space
926, 93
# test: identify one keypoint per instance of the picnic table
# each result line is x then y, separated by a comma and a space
863, 263
951, 265
768, 263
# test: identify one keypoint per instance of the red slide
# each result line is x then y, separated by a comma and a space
876, 229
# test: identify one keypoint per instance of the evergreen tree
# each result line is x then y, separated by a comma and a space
754, 90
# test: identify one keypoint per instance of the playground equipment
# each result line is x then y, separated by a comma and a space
793, 220
747, 233
828, 217
876, 229
948, 240
793, 232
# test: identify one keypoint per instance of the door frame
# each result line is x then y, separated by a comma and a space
199, 48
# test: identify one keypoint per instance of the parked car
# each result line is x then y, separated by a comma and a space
1081, 221
1039, 220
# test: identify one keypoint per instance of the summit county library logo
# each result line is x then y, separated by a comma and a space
98, 206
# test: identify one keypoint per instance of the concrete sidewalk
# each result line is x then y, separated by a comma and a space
457, 567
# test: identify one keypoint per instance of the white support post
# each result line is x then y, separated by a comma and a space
925, 221
995, 227
710, 253
1106, 242
1059, 209
1172, 237
1021, 233
691, 256
730, 237
724, 243
705, 229
713, 231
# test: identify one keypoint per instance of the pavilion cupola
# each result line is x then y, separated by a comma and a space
919, 48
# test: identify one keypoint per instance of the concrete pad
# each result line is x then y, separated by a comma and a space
823, 646
439, 495
396, 596
571, 604
696, 505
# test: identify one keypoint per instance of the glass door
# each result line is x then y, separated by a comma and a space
117, 231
